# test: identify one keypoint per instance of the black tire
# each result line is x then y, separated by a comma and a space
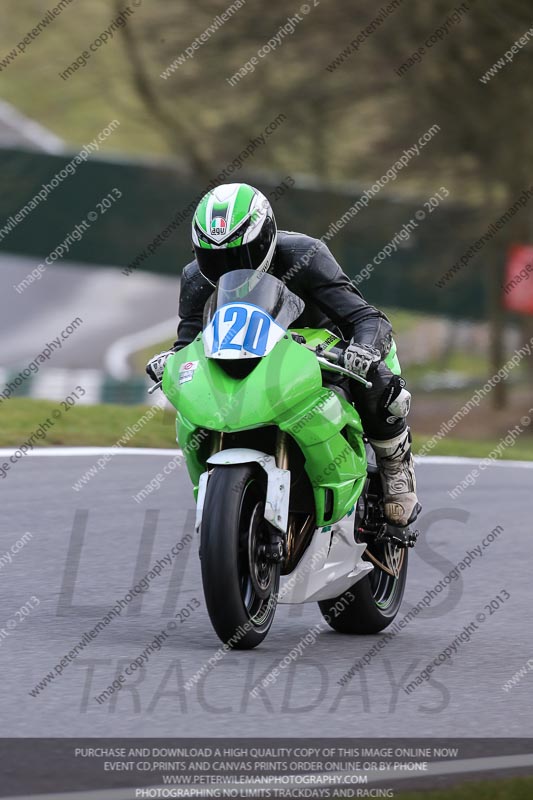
372, 603
240, 587
376, 601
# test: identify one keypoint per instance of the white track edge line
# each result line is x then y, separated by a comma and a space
116, 359
58, 452
154, 451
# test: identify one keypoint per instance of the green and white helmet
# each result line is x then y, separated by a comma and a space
233, 228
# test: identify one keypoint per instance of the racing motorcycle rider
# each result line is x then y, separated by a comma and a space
234, 228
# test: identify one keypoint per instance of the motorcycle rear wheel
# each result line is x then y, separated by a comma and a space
371, 604
375, 600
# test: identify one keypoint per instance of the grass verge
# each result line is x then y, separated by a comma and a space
81, 426
512, 789
522, 450
103, 425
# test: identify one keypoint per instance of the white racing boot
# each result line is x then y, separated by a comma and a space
397, 470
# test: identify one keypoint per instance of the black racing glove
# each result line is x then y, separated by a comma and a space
156, 365
361, 358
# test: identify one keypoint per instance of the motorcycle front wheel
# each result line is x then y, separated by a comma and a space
240, 584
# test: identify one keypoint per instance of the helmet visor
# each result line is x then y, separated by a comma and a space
217, 261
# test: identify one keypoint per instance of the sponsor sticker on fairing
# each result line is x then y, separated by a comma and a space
186, 371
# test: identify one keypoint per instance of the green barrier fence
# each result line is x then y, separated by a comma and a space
156, 195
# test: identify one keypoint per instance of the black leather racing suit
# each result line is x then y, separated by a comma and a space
310, 271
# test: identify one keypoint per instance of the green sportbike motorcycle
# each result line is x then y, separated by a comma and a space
289, 499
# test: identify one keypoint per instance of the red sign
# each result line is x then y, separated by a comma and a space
518, 286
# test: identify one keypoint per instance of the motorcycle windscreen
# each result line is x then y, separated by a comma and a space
247, 315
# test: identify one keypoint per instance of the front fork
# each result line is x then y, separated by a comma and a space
277, 547
282, 453
217, 442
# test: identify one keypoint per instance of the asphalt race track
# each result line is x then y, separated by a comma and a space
110, 304
88, 548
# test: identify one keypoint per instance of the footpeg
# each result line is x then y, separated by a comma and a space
275, 551
400, 537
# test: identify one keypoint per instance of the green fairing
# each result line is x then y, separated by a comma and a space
285, 390
316, 336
